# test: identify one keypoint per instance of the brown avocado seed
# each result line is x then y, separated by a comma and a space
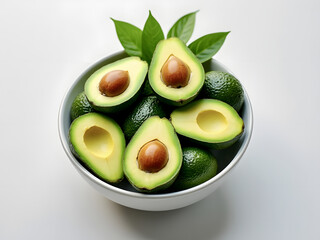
153, 156
175, 73
114, 83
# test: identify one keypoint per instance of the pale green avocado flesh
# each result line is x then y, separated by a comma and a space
154, 128
208, 121
137, 70
171, 95
99, 142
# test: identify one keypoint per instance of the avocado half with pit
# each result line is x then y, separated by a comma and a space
209, 122
115, 86
175, 73
153, 157
99, 143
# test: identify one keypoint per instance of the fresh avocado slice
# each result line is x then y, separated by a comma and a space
153, 157
175, 73
147, 107
115, 86
209, 122
98, 141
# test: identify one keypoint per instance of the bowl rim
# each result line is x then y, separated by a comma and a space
101, 183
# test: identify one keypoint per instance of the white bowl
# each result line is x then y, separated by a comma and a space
123, 193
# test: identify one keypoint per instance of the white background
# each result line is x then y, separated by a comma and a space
274, 49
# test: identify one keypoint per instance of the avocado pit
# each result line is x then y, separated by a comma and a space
114, 83
175, 73
153, 156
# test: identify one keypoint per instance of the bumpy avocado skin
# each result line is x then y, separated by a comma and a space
198, 166
147, 89
147, 107
224, 87
80, 106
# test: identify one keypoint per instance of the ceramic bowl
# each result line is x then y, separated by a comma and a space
123, 193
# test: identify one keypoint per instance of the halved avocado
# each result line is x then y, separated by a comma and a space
209, 122
98, 141
153, 157
115, 86
175, 73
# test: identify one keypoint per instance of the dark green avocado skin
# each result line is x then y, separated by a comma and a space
216, 146
180, 103
80, 106
147, 107
224, 87
147, 89
161, 188
198, 166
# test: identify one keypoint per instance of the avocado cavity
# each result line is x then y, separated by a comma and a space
98, 141
212, 121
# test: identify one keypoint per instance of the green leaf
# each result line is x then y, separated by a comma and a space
207, 46
183, 28
129, 37
151, 35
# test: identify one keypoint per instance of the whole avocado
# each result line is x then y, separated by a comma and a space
224, 87
147, 107
198, 166
80, 106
